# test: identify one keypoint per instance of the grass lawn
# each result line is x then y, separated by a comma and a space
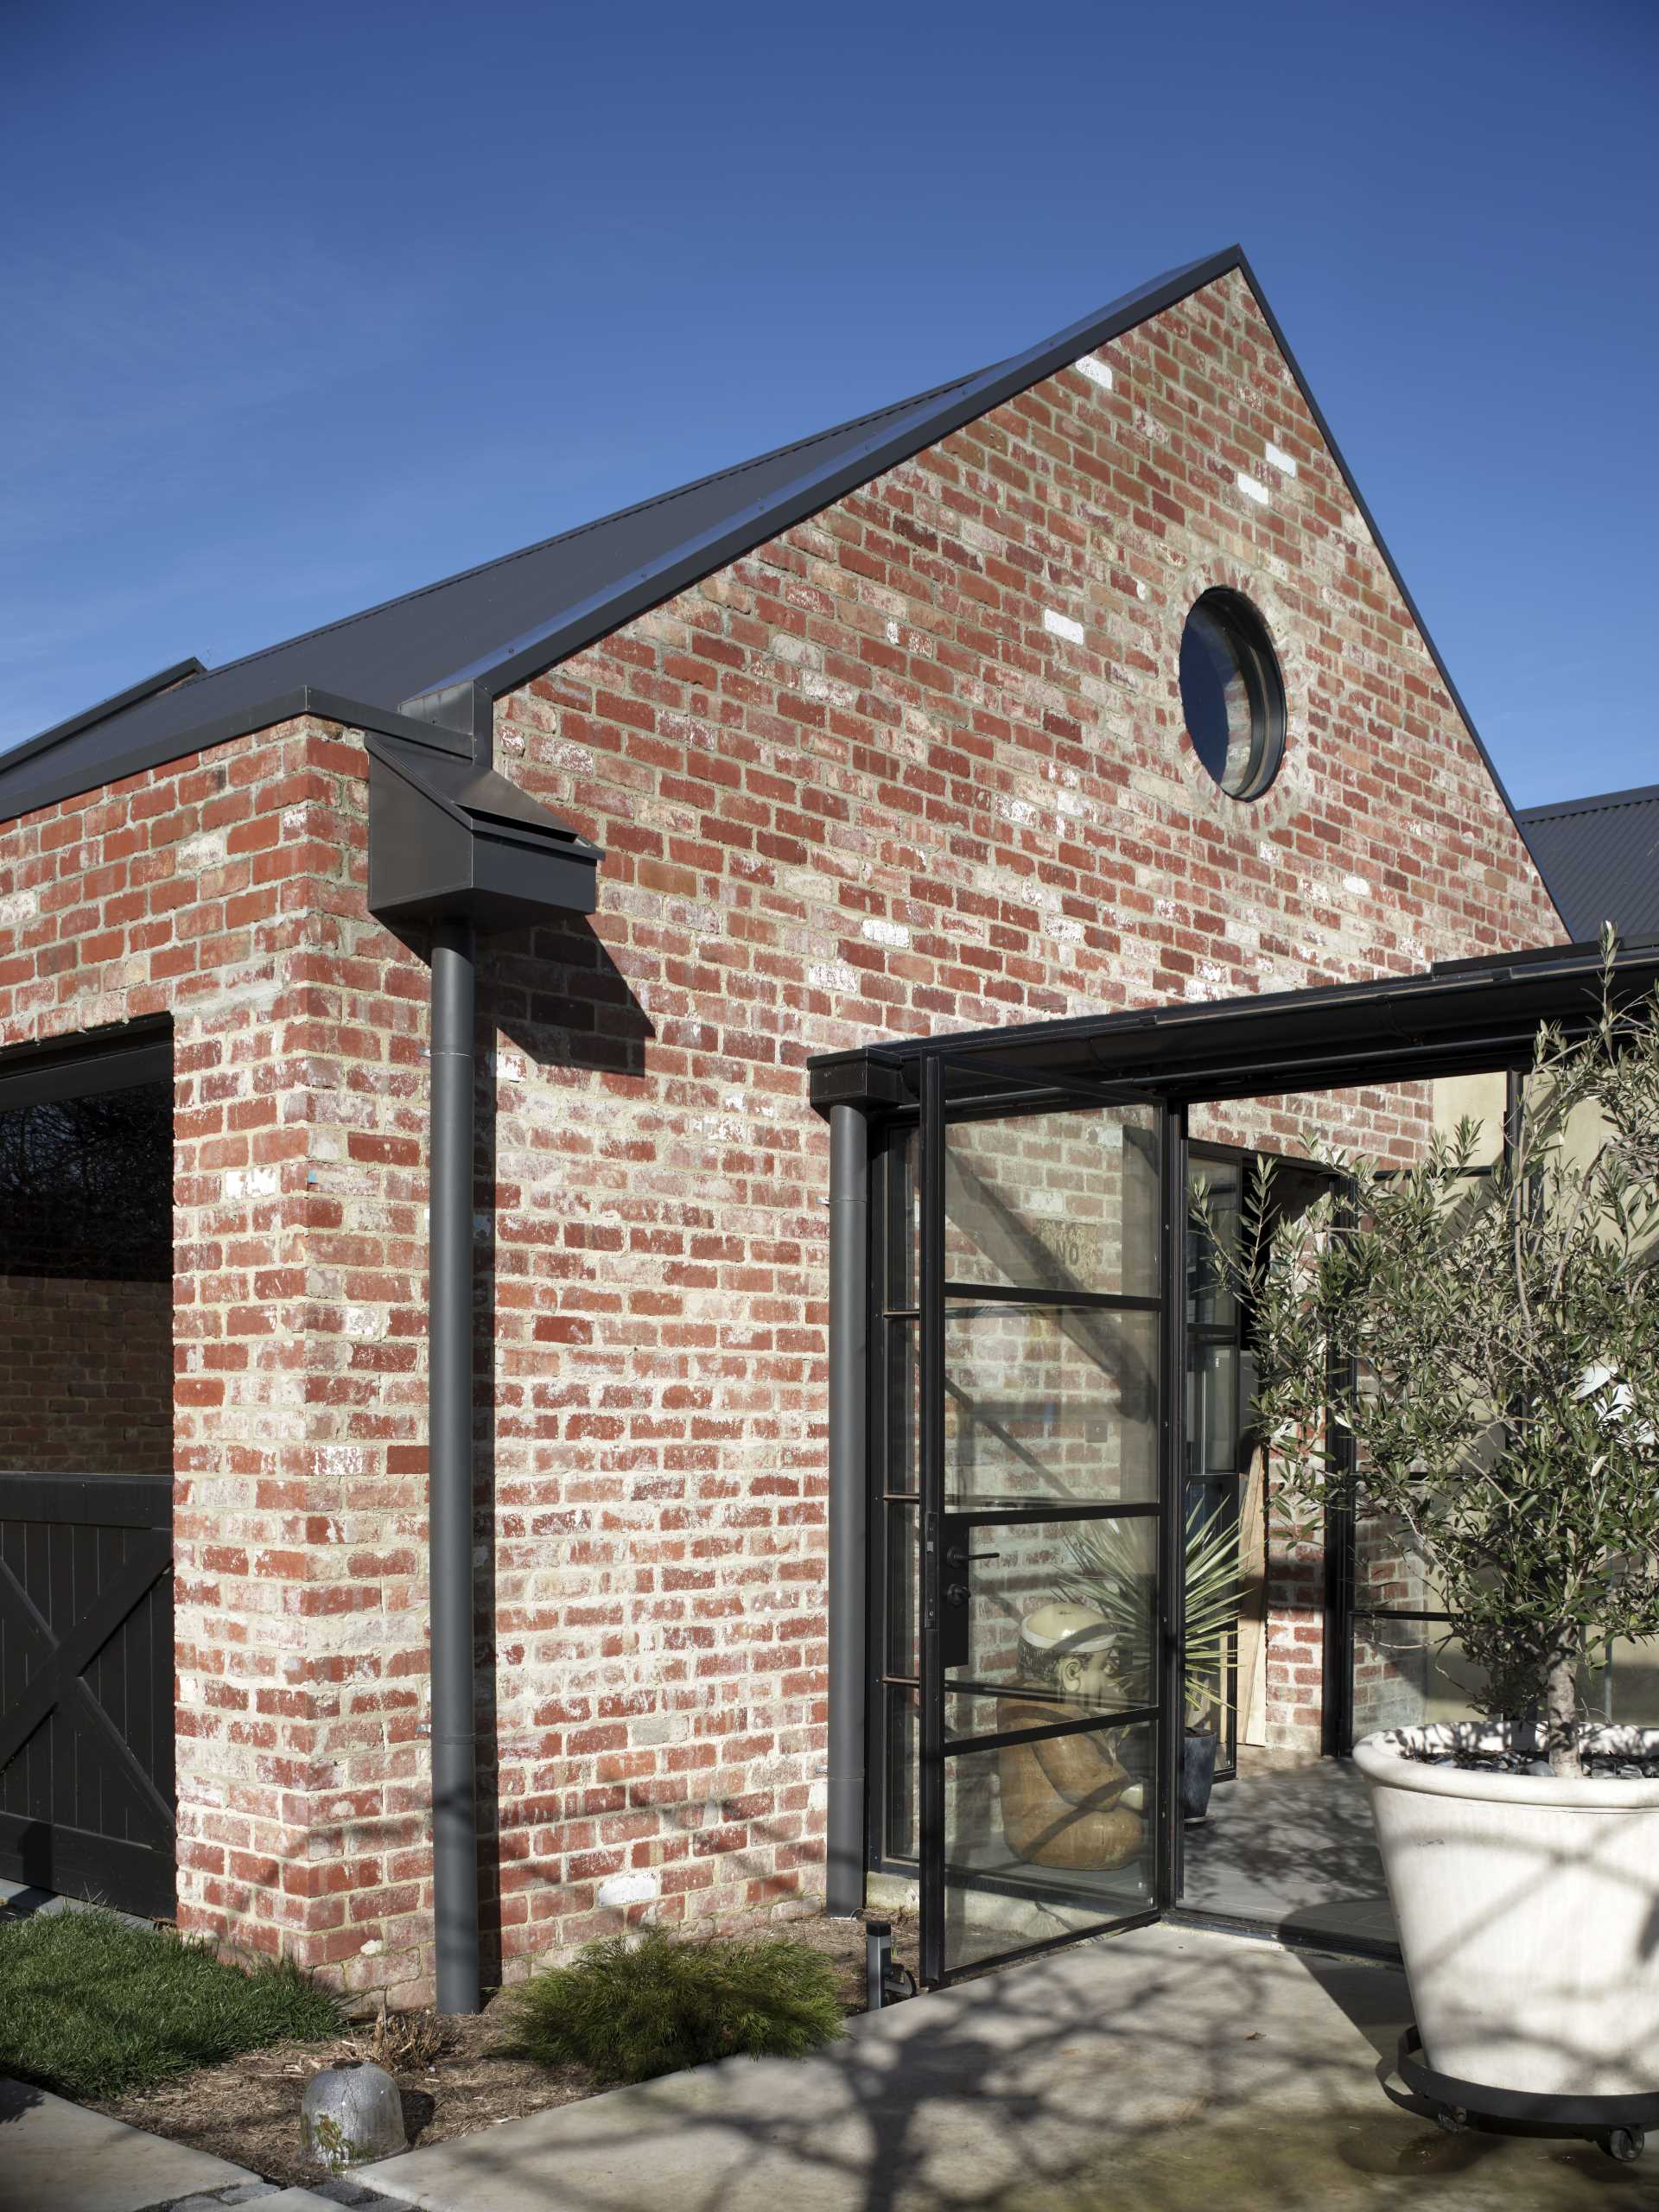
91, 2007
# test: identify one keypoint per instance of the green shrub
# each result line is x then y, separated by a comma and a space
632, 2007
93, 2007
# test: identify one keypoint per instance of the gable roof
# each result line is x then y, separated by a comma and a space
1599, 860
430, 664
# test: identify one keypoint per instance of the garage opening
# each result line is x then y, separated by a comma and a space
87, 1668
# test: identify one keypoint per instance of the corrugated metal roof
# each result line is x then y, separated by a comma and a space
430, 663
1600, 859
396, 652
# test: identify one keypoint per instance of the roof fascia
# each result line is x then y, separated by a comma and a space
282, 707
1396, 1014
1389, 562
164, 680
519, 660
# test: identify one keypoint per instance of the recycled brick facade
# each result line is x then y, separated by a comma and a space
918, 763
86, 1376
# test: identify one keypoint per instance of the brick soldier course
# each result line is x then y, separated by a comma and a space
914, 761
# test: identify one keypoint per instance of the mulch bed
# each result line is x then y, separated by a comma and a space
248, 2109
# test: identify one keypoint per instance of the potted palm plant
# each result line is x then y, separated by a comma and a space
1475, 1356
1107, 1574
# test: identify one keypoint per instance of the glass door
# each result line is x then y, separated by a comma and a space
1044, 1648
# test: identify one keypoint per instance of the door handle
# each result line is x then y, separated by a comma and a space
956, 1557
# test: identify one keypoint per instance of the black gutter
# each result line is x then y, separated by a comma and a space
1447, 1020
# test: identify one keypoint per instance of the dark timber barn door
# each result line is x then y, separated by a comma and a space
87, 1665
87, 1687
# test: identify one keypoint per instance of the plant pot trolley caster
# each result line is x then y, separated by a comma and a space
1618, 2126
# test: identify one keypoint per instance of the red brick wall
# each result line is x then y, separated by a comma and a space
85, 1376
855, 785
227, 890
851, 785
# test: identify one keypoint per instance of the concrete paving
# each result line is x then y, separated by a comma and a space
56, 2157
1152, 2072
1293, 1847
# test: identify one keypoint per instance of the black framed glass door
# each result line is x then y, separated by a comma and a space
1043, 1415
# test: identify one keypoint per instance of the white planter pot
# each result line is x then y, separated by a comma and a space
1529, 1915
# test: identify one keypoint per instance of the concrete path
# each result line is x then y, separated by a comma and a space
1155, 2072
1294, 1847
56, 2157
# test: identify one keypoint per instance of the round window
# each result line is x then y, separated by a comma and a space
1232, 694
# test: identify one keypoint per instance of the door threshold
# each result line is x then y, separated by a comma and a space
1376, 1949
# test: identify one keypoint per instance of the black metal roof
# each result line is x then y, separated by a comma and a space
430, 663
1600, 859
1458, 1017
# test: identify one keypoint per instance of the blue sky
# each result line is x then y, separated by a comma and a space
310, 304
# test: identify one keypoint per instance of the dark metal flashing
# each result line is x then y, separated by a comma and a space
520, 660
465, 709
857, 1080
448, 839
165, 679
286, 706
1459, 1017
1380, 542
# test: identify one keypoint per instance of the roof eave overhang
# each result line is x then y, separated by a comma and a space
1459, 1017
305, 699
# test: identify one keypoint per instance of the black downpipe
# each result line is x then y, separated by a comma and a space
455, 1813
849, 1250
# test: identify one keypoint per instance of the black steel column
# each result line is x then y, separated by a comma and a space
455, 1819
850, 1306
931, 1281
1172, 1525
1341, 1563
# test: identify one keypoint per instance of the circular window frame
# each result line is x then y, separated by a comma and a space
1249, 644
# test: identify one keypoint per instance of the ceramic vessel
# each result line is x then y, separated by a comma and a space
1527, 1909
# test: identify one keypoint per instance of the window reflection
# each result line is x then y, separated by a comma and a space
86, 1284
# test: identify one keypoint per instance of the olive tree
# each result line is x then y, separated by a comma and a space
1476, 1356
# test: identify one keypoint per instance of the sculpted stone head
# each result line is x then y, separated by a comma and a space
1071, 1647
